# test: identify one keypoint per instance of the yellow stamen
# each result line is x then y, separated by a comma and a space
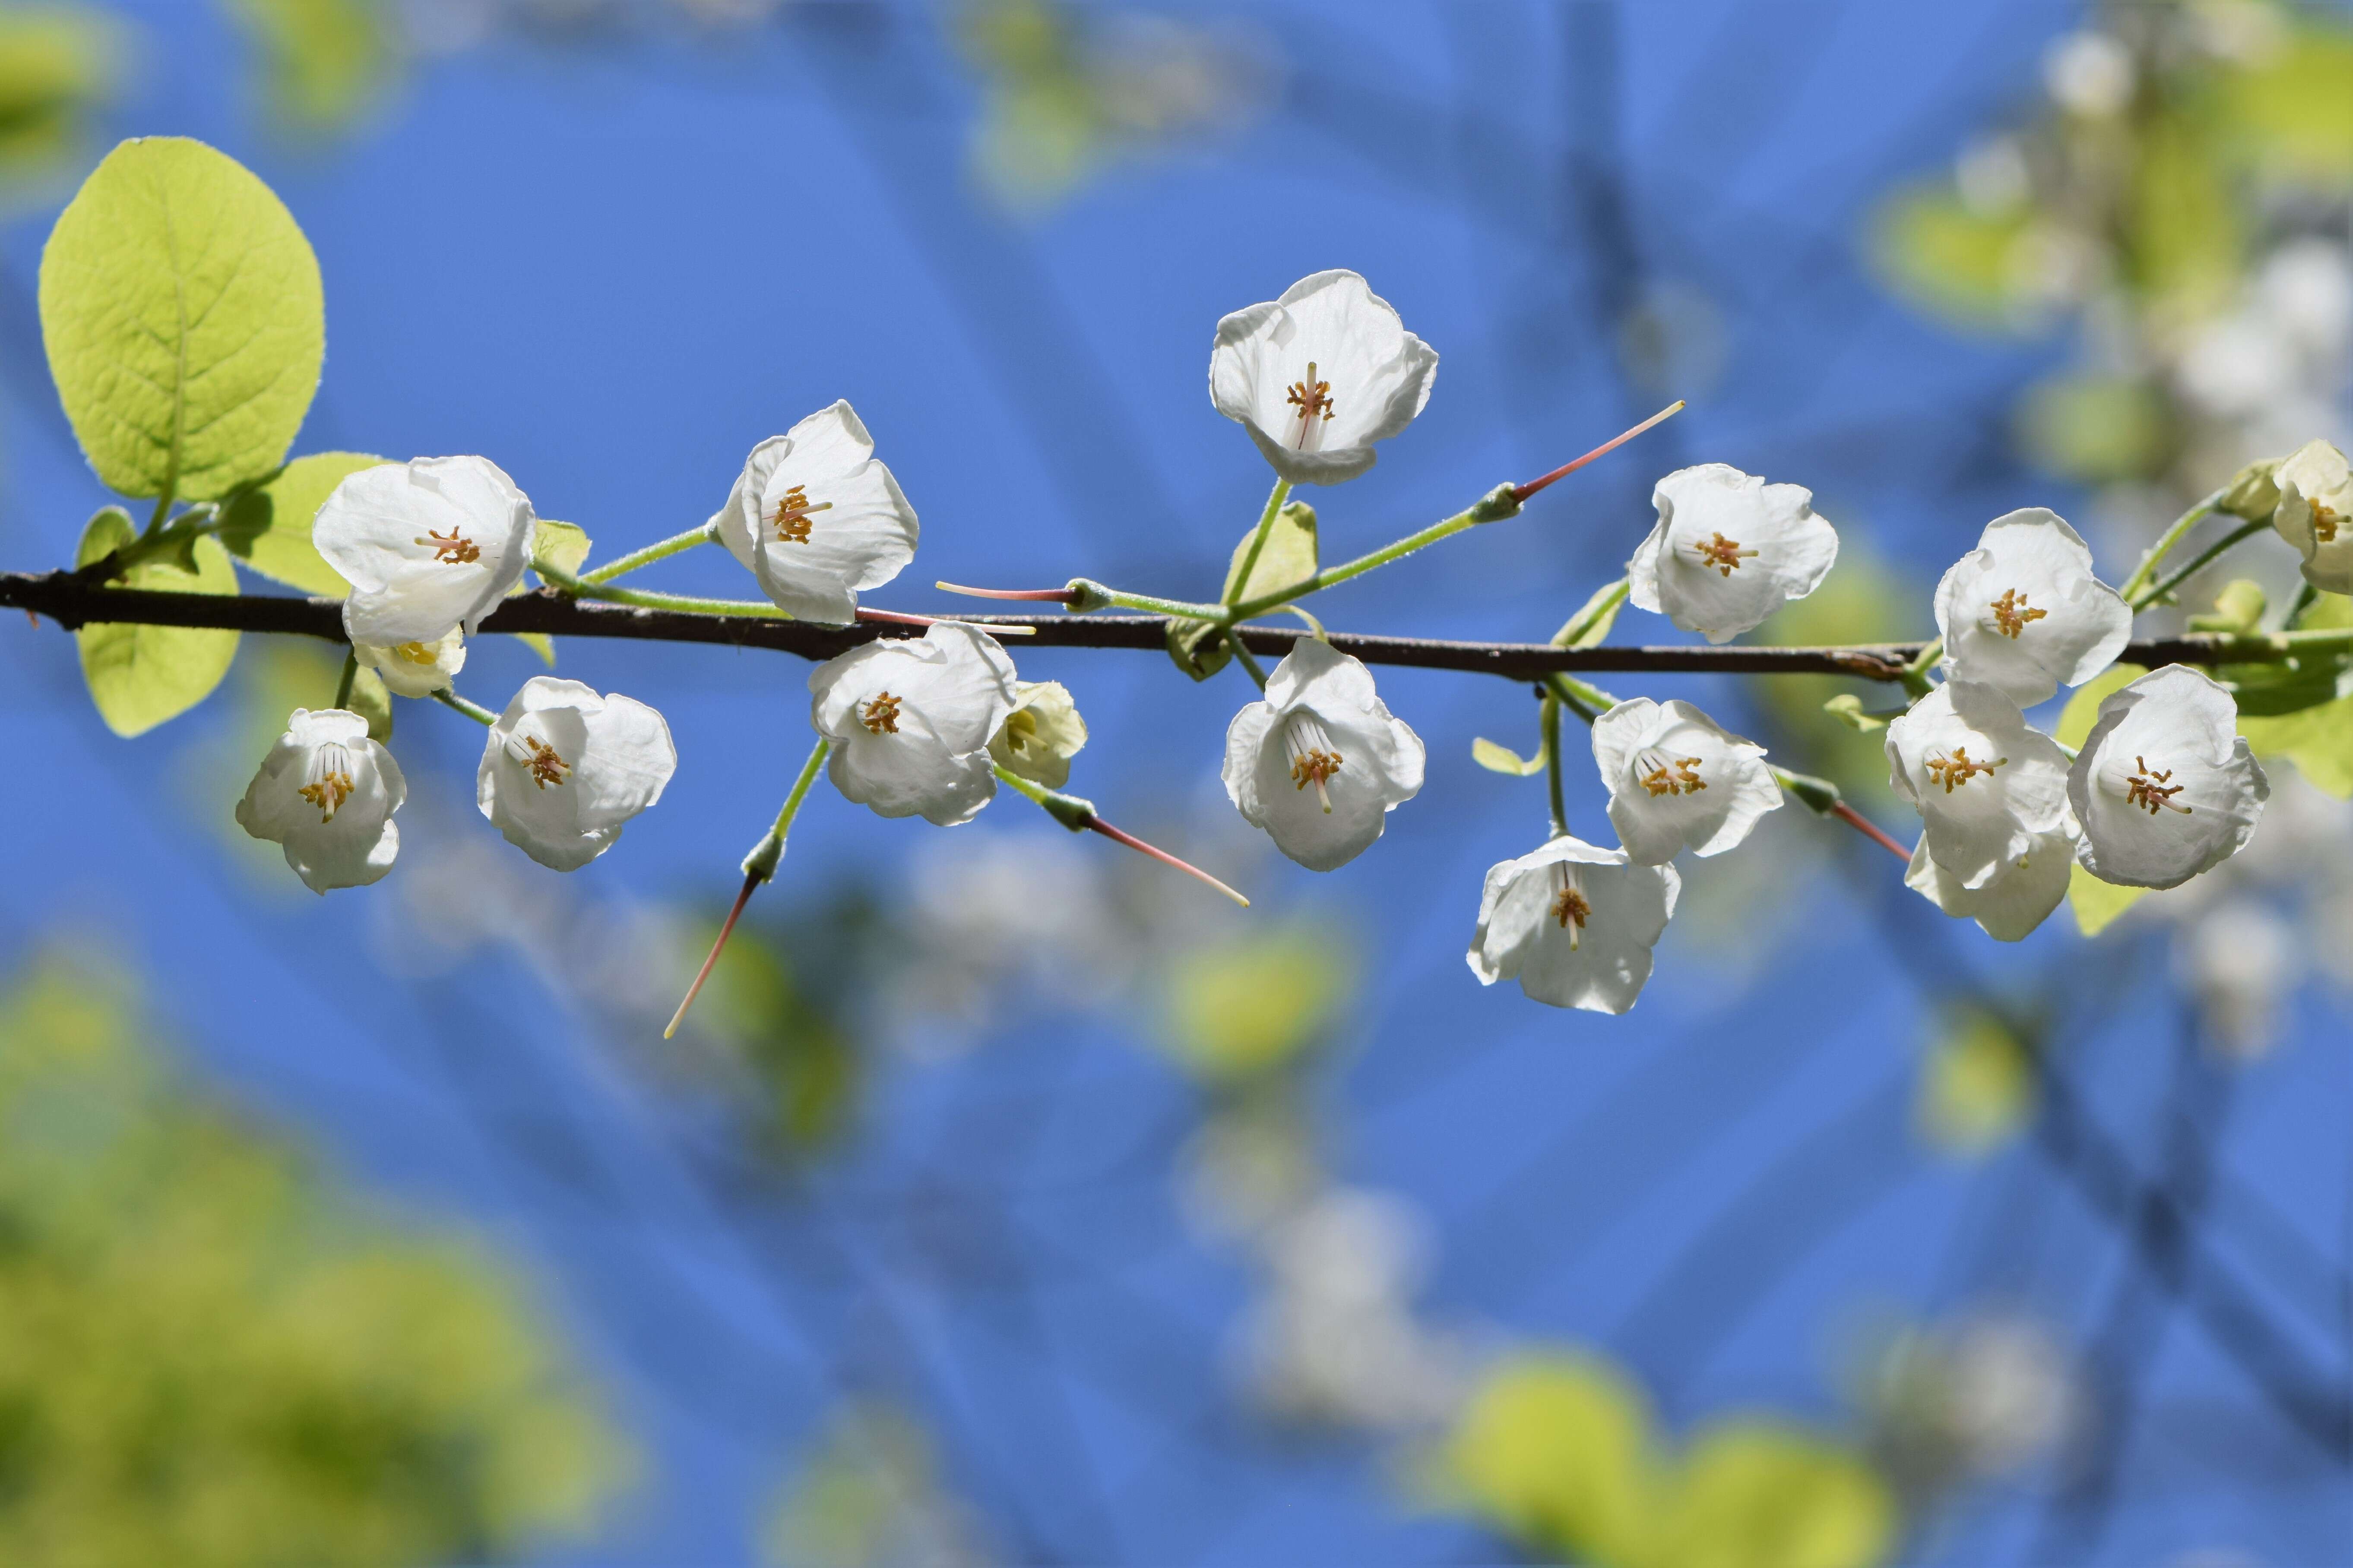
2147, 788
1725, 554
2011, 614
881, 716
328, 793
414, 653
455, 551
1958, 769
792, 519
1311, 397
1678, 775
2324, 522
546, 767
1316, 766
1570, 908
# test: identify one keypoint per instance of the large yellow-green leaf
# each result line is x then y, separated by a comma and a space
268, 529
140, 676
1755, 1496
1556, 1450
1289, 556
183, 319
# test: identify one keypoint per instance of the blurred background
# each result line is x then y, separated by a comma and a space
1007, 1202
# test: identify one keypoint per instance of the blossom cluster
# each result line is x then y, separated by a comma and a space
2162, 789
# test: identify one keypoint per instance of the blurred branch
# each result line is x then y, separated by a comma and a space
73, 602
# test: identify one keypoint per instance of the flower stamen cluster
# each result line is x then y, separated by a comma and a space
1959, 768
546, 764
2011, 614
881, 716
2147, 788
1666, 775
1725, 554
455, 551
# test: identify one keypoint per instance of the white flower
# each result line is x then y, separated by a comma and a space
2018, 896
2165, 787
2315, 513
1318, 761
1574, 923
428, 546
911, 722
1679, 781
564, 768
415, 668
1988, 789
1041, 734
817, 519
1319, 376
1728, 551
2023, 611
326, 794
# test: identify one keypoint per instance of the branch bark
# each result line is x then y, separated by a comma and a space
73, 601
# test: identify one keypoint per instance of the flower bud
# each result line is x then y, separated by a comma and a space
2254, 491
1041, 734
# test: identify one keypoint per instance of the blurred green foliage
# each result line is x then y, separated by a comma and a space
868, 1495
56, 64
1864, 601
1560, 1451
326, 62
1977, 1084
1245, 1008
785, 1027
2317, 739
209, 1355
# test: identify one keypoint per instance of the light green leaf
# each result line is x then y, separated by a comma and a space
1847, 709
2318, 741
372, 702
1591, 624
183, 319
140, 676
268, 528
2097, 904
1753, 1495
563, 545
1558, 1450
1498, 759
539, 643
1289, 557
2083, 709
1197, 648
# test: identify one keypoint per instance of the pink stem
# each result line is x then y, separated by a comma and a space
1870, 830
1166, 859
1521, 492
750, 880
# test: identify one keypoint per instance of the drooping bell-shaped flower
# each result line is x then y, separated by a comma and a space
1319, 376
415, 668
1988, 787
1679, 781
2018, 896
1319, 761
1574, 923
911, 720
1728, 550
2165, 787
326, 794
565, 768
2315, 513
818, 519
428, 546
2024, 611
1041, 734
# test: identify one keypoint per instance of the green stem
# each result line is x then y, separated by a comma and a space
343, 686
1587, 702
2171, 537
475, 711
1181, 609
163, 510
1915, 674
1331, 576
1281, 493
1548, 722
2156, 592
761, 863
675, 545
1250, 665
580, 588
197, 521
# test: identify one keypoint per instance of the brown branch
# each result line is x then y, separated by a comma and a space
73, 601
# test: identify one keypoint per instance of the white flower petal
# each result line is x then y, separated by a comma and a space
2025, 611
911, 722
817, 519
2165, 787
1678, 781
428, 546
325, 795
1728, 550
2315, 513
2019, 896
1987, 787
1374, 376
415, 668
1574, 923
1320, 762
565, 767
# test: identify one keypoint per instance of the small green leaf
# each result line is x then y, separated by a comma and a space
1847, 709
539, 643
140, 676
563, 545
1591, 624
1755, 1495
2238, 608
1498, 759
1197, 648
372, 702
1289, 557
268, 528
183, 319
2097, 904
